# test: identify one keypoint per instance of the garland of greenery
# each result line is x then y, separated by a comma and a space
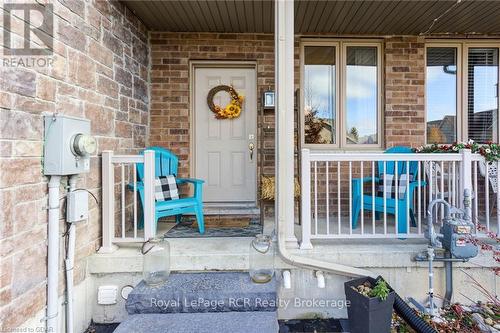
490, 150
232, 110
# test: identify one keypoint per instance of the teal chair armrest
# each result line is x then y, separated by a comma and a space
365, 179
198, 187
139, 186
189, 180
416, 184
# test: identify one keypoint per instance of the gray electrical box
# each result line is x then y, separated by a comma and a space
77, 206
68, 145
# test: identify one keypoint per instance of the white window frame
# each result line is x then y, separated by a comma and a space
458, 112
463, 47
340, 92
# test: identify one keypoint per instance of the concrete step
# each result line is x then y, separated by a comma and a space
203, 292
221, 322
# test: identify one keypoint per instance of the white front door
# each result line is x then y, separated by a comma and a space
221, 146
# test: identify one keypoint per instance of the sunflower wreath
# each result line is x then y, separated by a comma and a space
232, 110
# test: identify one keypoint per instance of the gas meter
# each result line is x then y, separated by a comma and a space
455, 238
68, 145
456, 230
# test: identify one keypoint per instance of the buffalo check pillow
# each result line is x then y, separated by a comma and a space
390, 185
166, 188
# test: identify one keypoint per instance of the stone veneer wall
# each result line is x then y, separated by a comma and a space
100, 72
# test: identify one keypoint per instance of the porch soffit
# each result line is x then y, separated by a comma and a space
339, 17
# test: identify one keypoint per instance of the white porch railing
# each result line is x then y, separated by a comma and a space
486, 186
338, 187
120, 207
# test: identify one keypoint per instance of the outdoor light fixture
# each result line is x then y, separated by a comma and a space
268, 99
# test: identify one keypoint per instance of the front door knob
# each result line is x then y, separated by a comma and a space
251, 147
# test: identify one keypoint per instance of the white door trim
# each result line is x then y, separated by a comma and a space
194, 64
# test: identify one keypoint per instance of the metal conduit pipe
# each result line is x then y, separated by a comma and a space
53, 256
69, 263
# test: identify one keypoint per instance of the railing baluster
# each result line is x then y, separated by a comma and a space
425, 177
442, 186
350, 197
135, 199
407, 193
419, 199
385, 197
454, 182
327, 201
475, 191
123, 198
362, 200
396, 196
448, 175
373, 197
498, 199
430, 181
338, 198
487, 195
316, 198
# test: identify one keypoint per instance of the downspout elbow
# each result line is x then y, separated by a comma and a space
315, 264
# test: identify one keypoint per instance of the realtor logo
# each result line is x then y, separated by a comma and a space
28, 29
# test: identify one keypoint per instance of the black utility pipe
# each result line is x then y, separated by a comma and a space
407, 313
448, 268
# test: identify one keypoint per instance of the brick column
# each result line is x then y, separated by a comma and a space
404, 91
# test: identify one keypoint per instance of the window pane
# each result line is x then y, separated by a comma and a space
441, 94
482, 87
319, 94
361, 93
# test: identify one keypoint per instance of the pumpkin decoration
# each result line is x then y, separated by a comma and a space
230, 111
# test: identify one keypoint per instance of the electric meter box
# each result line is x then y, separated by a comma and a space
77, 206
68, 145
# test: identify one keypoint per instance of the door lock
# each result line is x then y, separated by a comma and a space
251, 147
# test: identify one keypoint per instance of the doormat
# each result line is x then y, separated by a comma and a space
186, 229
224, 221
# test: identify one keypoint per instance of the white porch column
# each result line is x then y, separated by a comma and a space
284, 79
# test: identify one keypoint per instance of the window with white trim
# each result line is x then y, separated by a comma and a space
341, 93
462, 92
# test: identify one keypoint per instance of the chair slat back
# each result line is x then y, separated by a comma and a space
390, 167
166, 163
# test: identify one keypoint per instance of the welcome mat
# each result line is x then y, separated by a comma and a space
187, 230
224, 221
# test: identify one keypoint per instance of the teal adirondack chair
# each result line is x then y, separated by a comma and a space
166, 163
402, 203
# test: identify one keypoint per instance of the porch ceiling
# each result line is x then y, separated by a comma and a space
369, 17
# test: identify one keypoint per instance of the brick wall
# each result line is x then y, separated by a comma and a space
404, 91
404, 67
100, 71
171, 52
170, 56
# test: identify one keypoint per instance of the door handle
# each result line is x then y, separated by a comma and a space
251, 147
